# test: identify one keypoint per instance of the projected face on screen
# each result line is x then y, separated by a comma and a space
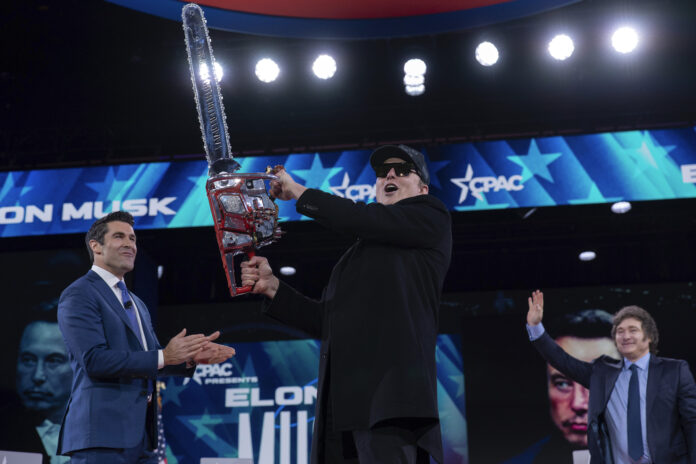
568, 400
43, 370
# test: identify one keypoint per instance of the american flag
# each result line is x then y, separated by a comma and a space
161, 442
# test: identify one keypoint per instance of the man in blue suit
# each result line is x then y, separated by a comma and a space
643, 408
115, 355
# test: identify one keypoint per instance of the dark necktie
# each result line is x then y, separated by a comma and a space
128, 306
635, 432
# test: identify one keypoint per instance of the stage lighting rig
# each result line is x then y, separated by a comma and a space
324, 67
288, 270
487, 54
624, 40
621, 207
414, 77
561, 47
267, 70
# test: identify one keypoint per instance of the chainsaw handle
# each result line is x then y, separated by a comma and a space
247, 288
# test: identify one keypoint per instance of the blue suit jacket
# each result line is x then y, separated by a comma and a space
670, 402
108, 403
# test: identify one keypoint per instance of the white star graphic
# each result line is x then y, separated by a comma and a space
340, 190
463, 183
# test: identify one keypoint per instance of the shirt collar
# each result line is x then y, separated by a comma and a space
110, 279
642, 363
47, 427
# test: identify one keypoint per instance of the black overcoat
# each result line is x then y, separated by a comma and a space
378, 317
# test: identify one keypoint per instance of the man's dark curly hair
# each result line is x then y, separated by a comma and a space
100, 226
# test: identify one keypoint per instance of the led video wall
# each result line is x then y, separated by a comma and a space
545, 171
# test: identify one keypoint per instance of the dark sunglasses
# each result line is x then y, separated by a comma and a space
400, 169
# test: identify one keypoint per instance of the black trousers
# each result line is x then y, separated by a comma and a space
383, 444
393, 441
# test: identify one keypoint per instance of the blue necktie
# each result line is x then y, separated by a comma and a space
130, 311
128, 306
635, 432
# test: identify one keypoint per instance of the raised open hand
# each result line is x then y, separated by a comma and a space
536, 308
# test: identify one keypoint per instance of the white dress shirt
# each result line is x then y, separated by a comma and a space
48, 432
112, 281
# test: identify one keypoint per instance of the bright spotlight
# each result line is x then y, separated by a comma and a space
205, 74
413, 79
561, 47
414, 90
621, 207
267, 70
415, 66
624, 40
487, 54
288, 270
587, 256
324, 67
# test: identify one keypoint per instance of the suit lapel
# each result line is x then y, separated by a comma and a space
115, 305
610, 381
654, 375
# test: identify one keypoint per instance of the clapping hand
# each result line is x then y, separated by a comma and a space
183, 347
214, 353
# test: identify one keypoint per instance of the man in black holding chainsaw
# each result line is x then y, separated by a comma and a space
378, 317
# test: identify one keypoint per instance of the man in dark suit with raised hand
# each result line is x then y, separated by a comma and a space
643, 408
115, 356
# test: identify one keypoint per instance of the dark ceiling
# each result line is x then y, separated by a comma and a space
92, 83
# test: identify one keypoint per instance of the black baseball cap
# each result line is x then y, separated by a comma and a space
408, 154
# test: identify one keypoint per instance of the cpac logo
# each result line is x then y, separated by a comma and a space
217, 374
361, 192
479, 185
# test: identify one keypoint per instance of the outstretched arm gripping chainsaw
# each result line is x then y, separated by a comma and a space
245, 217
